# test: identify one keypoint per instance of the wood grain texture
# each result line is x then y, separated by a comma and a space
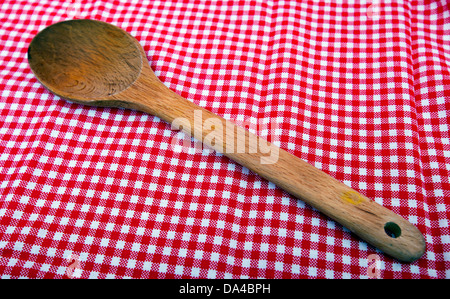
94, 63
85, 59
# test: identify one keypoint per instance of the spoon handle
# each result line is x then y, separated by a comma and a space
372, 222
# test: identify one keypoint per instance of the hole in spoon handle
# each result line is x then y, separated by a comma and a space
379, 226
392, 230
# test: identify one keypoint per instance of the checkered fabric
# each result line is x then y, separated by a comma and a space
361, 90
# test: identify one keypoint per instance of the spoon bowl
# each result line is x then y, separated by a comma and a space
95, 63
85, 60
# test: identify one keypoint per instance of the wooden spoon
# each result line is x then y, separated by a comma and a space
95, 63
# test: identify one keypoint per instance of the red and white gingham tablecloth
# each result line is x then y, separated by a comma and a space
360, 89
